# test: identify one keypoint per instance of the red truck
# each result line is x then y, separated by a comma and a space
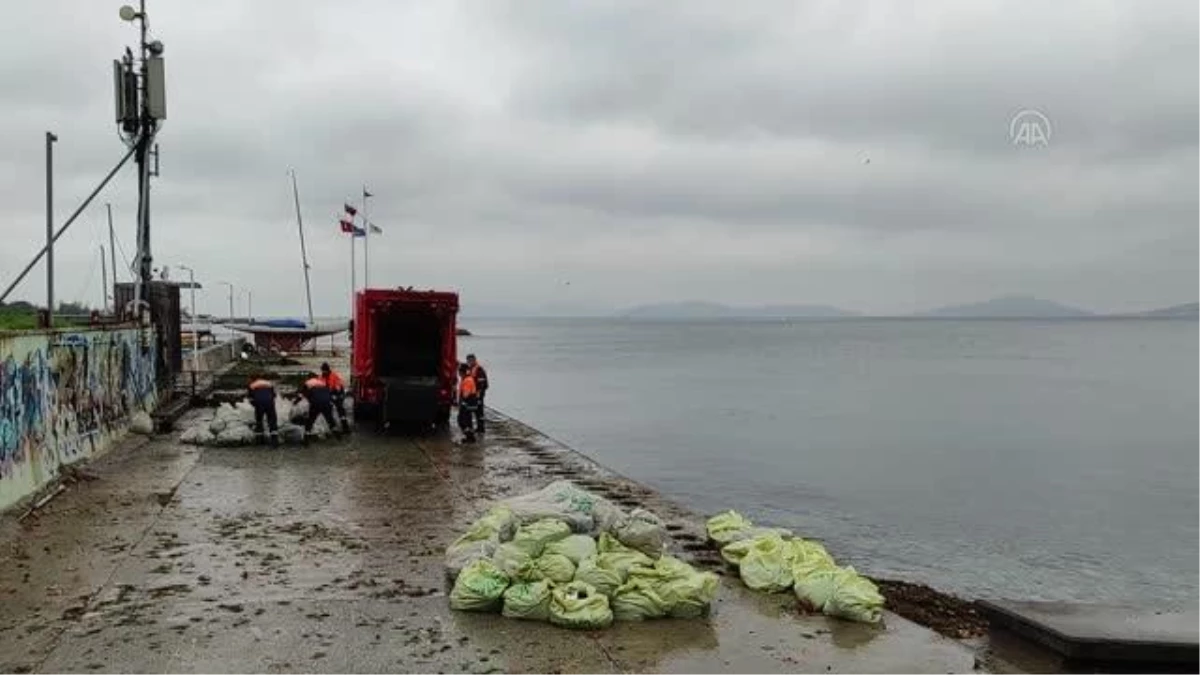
404, 363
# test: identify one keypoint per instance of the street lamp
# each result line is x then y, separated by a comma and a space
226, 283
195, 332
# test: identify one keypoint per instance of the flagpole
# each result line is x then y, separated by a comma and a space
366, 242
353, 273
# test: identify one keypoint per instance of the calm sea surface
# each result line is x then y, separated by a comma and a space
1030, 459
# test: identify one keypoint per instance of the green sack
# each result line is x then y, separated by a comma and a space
479, 588
663, 569
534, 537
767, 566
603, 579
637, 600
722, 528
815, 583
578, 605
856, 598
528, 600
514, 562
554, 567
501, 520
804, 550
618, 557
576, 547
804, 566
734, 552
689, 596
642, 531
461, 554
478, 531
685, 592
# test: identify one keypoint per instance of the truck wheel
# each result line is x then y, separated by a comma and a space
442, 421
366, 412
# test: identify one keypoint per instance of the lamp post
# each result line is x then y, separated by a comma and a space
195, 333
226, 283
250, 304
50, 139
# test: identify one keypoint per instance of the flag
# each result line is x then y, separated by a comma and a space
375, 229
347, 225
351, 211
360, 232
365, 193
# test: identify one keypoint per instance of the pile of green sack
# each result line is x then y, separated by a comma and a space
774, 560
544, 571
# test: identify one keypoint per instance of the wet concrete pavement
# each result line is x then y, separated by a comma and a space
328, 558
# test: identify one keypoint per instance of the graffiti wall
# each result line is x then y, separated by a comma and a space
65, 396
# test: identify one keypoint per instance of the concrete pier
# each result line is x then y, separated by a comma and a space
1064, 637
328, 558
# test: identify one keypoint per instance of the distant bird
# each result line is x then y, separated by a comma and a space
867, 160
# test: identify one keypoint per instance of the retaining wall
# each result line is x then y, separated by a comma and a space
213, 358
66, 396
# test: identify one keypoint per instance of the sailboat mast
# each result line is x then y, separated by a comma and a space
303, 251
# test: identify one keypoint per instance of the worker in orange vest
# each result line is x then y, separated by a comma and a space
481, 383
337, 393
261, 393
320, 404
468, 403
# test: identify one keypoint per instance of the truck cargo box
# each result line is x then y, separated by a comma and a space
404, 363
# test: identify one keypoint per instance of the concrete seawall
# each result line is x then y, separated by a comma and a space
66, 396
328, 558
210, 359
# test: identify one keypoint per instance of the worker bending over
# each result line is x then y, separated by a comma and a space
468, 403
481, 384
320, 404
337, 393
261, 393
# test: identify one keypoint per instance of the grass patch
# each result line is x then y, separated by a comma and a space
25, 319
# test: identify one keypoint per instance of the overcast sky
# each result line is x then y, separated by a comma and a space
593, 155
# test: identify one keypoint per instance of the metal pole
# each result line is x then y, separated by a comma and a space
112, 251
249, 304
146, 133
195, 332
104, 279
366, 242
303, 252
195, 329
231, 302
50, 138
67, 224
353, 274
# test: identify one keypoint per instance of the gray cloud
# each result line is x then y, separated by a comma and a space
846, 152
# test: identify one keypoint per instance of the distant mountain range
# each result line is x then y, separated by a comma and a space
1009, 307
712, 310
1188, 310
1005, 307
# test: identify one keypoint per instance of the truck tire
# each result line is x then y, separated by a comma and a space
365, 412
442, 421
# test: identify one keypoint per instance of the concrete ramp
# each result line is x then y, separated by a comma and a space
1103, 637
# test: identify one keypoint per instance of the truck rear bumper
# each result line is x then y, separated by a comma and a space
408, 401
